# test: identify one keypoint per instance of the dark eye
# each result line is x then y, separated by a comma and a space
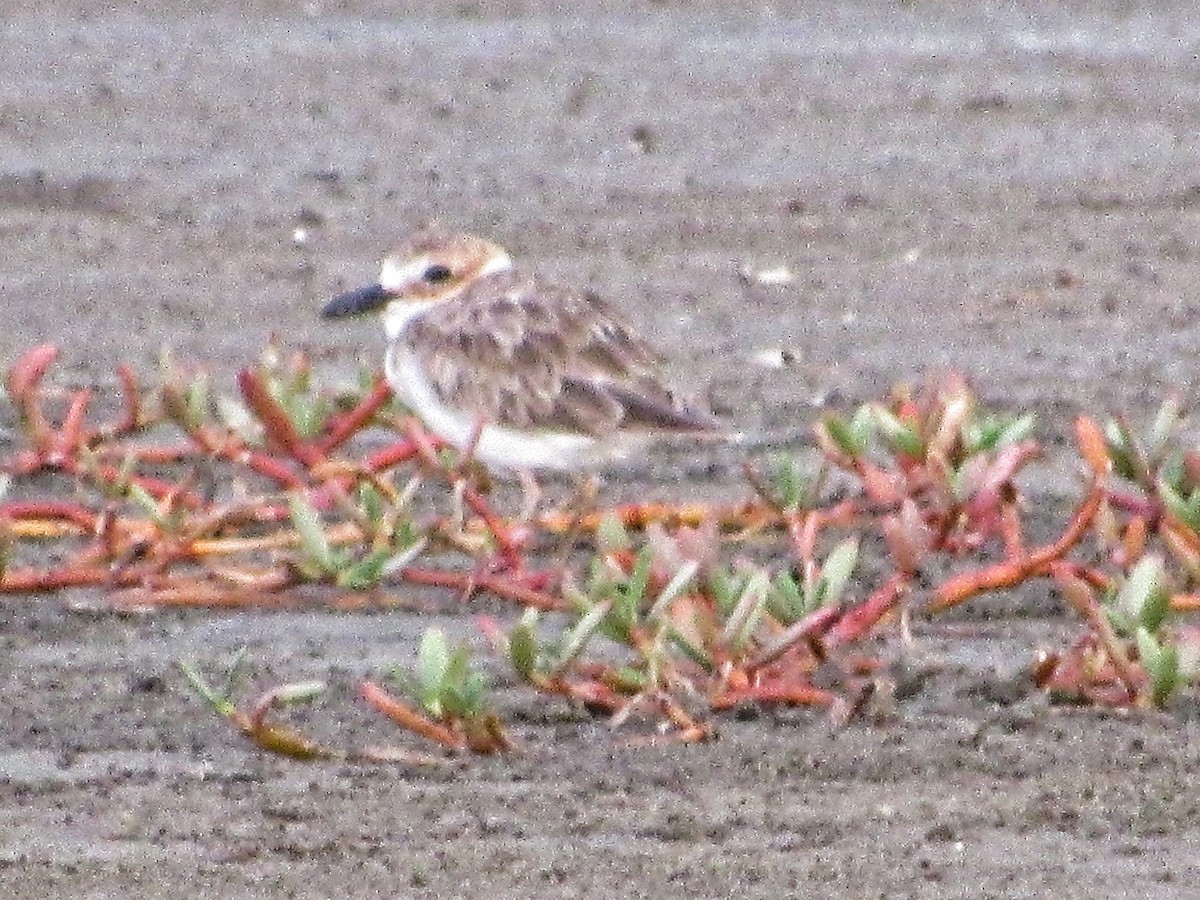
437, 274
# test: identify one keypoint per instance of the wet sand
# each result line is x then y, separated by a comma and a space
1014, 193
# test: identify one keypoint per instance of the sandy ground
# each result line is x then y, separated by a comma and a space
1011, 191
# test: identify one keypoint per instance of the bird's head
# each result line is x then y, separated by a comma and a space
430, 267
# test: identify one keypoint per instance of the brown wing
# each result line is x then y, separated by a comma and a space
533, 356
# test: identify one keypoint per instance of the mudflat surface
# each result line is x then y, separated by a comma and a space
1013, 192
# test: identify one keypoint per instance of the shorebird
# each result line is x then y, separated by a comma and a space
525, 375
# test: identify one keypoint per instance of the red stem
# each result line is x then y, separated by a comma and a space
510, 547
399, 452
70, 432
279, 427
407, 717
1001, 472
29, 581
862, 618
467, 582
342, 428
155, 456
790, 694
66, 510
278, 470
133, 401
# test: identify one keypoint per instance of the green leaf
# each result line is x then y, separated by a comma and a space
523, 644
627, 598
1192, 510
142, 498
691, 651
222, 705
1172, 471
1171, 486
405, 557
297, 693
1014, 431
787, 483
900, 437
746, 615
300, 381
611, 535
313, 542
370, 501
433, 661
673, 589
1165, 423
726, 587
233, 674
1161, 662
196, 399
862, 425
844, 435
120, 484
794, 483
220, 700
365, 573
1120, 450
640, 577
599, 588
457, 667
1142, 600
1175, 504
311, 418
465, 698
628, 680
577, 638
836, 571
786, 601
994, 432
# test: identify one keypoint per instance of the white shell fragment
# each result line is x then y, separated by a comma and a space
772, 277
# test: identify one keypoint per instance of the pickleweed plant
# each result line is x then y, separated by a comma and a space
1138, 458
794, 483
453, 706
355, 568
289, 382
444, 683
254, 723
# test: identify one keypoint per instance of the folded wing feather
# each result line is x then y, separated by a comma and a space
528, 356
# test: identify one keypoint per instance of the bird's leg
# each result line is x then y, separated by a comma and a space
462, 495
583, 504
468, 451
458, 481
458, 512
509, 542
587, 490
531, 496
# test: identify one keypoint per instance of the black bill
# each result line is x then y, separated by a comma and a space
353, 303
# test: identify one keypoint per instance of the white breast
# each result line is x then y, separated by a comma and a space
498, 446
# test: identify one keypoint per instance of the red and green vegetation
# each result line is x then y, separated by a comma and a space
665, 615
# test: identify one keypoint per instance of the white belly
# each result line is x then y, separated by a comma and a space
497, 447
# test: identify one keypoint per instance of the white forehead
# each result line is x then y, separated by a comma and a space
396, 275
500, 262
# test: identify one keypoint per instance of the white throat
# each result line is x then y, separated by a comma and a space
400, 314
